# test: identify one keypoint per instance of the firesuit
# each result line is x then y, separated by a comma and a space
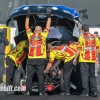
65, 53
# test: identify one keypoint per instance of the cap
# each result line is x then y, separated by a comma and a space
85, 27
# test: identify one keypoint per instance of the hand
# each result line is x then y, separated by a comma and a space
48, 67
45, 71
48, 12
52, 68
74, 61
97, 61
29, 14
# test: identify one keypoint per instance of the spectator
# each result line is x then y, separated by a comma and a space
3, 43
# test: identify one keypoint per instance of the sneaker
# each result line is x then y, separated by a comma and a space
27, 93
65, 93
43, 94
84, 95
2, 84
9, 92
93, 94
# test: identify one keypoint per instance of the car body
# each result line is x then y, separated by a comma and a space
65, 20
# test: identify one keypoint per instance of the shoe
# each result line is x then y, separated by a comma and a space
84, 95
2, 83
9, 92
28, 93
93, 94
65, 93
43, 94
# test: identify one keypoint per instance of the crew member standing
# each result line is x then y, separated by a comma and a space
37, 54
3, 43
88, 50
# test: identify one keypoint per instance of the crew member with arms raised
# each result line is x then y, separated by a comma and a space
37, 53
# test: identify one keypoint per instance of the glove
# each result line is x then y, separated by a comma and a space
48, 12
28, 14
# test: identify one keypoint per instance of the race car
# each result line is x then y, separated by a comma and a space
65, 25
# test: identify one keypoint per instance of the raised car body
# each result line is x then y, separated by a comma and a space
64, 20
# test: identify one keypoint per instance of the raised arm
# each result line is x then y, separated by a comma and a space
48, 23
48, 13
27, 22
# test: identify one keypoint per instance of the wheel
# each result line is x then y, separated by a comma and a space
61, 82
17, 79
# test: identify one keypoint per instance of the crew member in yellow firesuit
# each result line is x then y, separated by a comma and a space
66, 53
88, 55
13, 59
37, 54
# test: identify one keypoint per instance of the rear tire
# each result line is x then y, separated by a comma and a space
16, 80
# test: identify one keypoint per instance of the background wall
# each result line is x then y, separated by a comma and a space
88, 9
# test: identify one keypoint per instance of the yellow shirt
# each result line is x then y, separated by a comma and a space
37, 44
67, 55
18, 54
88, 45
99, 45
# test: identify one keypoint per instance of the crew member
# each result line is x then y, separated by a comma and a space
37, 54
88, 50
13, 60
66, 53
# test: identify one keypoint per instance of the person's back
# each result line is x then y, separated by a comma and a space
37, 44
88, 48
37, 52
66, 53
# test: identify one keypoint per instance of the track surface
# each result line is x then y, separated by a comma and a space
4, 96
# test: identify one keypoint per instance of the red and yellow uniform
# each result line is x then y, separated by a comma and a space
64, 53
37, 44
17, 54
99, 45
88, 45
